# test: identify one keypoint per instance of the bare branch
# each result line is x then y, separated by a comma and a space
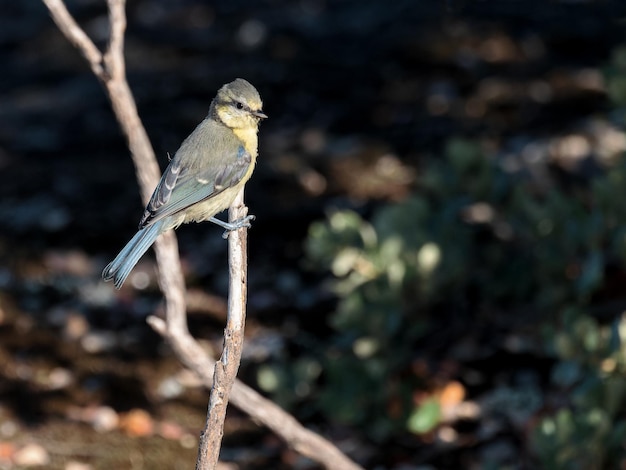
302, 440
76, 35
227, 367
238, 267
114, 57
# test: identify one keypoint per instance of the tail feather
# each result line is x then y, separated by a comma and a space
119, 269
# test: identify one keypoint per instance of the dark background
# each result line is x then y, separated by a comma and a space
364, 98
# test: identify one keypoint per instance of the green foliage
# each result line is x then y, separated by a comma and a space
590, 433
616, 76
425, 417
472, 227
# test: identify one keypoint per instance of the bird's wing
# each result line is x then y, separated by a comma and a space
182, 187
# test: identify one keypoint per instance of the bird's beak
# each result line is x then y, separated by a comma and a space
259, 114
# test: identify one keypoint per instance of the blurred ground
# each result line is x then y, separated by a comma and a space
359, 95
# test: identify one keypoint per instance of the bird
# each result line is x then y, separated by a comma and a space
203, 177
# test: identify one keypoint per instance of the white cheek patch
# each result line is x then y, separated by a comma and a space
202, 180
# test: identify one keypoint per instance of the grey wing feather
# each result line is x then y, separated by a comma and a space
163, 191
190, 188
231, 174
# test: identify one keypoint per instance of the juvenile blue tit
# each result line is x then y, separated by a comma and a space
203, 177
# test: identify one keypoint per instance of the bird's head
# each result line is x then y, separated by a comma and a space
238, 105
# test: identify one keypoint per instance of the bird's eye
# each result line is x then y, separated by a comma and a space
239, 105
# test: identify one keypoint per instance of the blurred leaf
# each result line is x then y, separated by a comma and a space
425, 417
591, 273
463, 154
268, 378
566, 373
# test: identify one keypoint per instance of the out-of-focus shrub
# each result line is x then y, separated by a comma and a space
585, 427
473, 237
479, 236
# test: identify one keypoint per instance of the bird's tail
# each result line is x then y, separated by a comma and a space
119, 269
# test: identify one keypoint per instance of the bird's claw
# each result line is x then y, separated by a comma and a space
237, 224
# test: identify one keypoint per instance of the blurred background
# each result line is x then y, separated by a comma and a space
437, 272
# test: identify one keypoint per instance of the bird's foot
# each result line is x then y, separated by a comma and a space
234, 225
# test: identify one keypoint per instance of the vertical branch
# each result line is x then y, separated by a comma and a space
228, 365
114, 56
237, 267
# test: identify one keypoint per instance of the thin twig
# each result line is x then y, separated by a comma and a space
227, 367
110, 70
76, 35
114, 56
